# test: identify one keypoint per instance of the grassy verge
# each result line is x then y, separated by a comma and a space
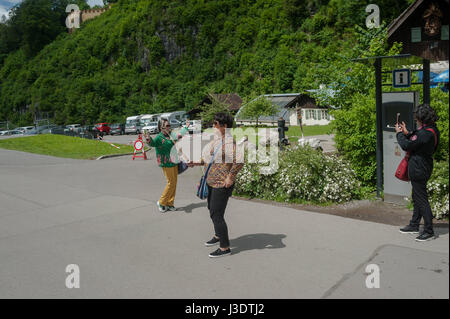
63, 146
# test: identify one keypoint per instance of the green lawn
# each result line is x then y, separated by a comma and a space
293, 133
63, 146
309, 130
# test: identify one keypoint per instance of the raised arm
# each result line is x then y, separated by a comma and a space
156, 142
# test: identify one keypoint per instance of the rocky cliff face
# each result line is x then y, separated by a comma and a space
171, 48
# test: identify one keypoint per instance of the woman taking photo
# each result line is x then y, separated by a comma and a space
421, 144
163, 143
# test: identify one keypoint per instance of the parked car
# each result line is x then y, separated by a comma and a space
15, 132
175, 123
117, 128
103, 128
3, 133
45, 129
151, 128
55, 130
92, 130
75, 128
26, 129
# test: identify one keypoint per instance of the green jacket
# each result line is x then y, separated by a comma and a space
163, 145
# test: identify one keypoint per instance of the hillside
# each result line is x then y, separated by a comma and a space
151, 56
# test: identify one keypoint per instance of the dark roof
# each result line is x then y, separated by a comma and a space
421, 14
396, 23
232, 99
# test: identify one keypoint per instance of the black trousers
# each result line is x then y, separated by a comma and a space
217, 202
421, 206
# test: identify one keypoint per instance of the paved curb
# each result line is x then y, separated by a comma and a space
116, 155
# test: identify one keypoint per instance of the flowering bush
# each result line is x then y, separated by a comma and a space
438, 190
304, 174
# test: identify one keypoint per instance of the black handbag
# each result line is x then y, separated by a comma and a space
182, 166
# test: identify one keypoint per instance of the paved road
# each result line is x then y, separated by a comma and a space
101, 215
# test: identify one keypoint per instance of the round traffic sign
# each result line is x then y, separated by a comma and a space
138, 145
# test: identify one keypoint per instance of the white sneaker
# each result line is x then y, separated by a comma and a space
161, 208
171, 208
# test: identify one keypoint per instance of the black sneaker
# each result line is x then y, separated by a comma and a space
212, 242
425, 237
409, 230
220, 253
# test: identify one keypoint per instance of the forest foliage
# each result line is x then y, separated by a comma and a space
151, 56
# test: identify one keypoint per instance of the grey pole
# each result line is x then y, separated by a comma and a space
379, 153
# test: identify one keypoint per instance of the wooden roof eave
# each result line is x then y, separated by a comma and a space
402, 18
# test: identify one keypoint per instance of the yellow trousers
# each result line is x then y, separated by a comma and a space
168, 195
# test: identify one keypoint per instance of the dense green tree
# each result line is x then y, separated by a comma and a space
151, 56
257, 107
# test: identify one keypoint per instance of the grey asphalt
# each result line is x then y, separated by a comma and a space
101, 215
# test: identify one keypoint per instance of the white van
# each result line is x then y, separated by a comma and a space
133, 125
180, 116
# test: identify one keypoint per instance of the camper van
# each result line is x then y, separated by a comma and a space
148, 118
133, 125
176, 119
149, 123
177, 115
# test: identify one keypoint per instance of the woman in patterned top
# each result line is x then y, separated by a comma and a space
220, 180
164, 145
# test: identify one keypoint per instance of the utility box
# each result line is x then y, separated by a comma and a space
404, 104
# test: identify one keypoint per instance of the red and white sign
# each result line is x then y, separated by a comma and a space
139, 146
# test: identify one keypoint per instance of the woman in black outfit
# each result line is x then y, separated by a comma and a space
421, 144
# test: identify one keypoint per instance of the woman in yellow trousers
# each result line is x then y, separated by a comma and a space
163, 143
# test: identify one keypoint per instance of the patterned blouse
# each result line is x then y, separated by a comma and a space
229, 161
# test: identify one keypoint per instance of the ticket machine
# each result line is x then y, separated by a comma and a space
401, 105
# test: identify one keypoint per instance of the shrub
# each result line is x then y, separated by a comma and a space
439, 102
304, 174
438, 190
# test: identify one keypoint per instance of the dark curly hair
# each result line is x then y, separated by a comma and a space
425, 114
160, 123
224, 118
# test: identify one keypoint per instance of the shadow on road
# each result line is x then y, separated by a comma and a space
257, 241
190, 207
440, 230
